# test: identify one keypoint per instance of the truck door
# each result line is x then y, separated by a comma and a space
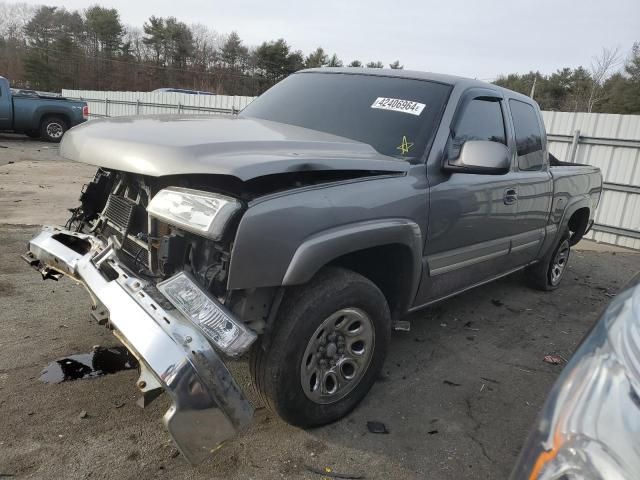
5, 105
533, 183
471, 216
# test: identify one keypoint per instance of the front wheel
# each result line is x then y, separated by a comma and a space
548, 272
325, 350
52, 129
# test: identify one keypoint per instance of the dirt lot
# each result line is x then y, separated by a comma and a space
458, 394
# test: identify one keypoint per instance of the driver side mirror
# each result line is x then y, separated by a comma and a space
481, 156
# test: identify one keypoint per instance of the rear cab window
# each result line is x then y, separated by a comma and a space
528, 134
397, 116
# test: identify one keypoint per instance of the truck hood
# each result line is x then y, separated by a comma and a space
243, 147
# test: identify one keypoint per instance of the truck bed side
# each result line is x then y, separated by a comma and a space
29, 111
575, 187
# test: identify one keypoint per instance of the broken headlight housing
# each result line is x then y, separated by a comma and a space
225, 332
196, 211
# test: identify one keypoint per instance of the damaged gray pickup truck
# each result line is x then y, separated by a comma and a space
305, 228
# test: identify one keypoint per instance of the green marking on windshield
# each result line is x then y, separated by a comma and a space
405, 146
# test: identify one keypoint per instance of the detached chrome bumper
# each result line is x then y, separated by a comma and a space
208, 406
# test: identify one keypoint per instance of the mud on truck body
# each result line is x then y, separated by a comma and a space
301, 230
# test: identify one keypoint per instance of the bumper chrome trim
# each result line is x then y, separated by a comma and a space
208, 405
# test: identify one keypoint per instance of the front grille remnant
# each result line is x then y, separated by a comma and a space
119, 211
127, 245
125, 222
135, 250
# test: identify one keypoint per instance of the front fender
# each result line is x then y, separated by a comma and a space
285, 239
322, 248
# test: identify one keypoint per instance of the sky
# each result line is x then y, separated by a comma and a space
478, 39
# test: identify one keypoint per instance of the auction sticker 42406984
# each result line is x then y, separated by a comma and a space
398, 105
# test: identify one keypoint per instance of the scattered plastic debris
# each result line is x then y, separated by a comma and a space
451, 384
553, 359
402, 326
328, 472
101, 361
377, 427
490, 380
522, 369
83, 414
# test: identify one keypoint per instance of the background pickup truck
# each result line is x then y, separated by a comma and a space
303, 230
38, 115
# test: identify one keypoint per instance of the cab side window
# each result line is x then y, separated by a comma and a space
528, 136
481, 120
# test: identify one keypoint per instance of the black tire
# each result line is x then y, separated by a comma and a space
52, 129
547, 274
32, 133
276, 359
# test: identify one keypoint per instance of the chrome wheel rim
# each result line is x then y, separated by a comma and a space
559, 262
337, 355
54, 130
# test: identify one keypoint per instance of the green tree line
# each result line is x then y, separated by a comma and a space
50, 48
610, 85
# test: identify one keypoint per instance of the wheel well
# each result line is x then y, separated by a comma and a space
61, 116
390, 267
578, 224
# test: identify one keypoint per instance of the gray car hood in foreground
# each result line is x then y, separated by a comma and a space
242, 147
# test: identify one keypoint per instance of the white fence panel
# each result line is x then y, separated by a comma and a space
611, 143
115, 104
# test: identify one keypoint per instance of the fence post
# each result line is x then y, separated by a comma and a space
574, 146
106, 107
137, 106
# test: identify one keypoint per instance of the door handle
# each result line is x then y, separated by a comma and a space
510, 196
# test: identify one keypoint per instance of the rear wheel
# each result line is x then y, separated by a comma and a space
52, 129
325, 350
548, 273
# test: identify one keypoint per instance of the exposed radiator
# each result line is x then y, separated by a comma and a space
120, 211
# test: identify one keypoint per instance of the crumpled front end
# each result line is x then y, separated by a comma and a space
208, 407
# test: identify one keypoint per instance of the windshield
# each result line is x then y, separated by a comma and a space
396, 116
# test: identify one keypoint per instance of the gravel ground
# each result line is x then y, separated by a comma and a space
458, 393
36, 185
